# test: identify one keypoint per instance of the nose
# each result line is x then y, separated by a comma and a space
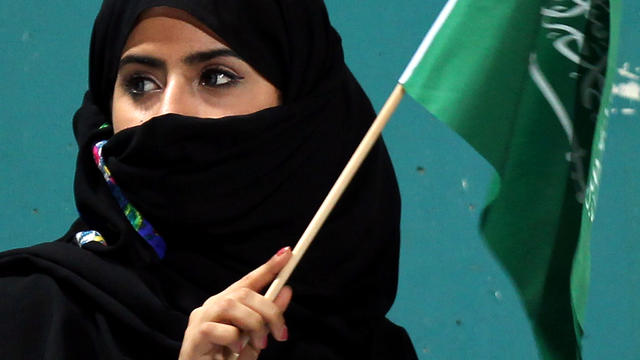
178, 98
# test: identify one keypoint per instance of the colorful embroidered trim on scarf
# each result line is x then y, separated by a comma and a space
84, 237
142, 226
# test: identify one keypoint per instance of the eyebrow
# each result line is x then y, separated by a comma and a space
204, 56
195, 58
141, 59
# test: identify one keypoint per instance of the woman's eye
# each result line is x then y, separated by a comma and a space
140, 85
217, 77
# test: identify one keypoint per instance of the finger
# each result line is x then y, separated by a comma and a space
282, 301
207, 335
252, 313
249, 353
284, 298
263, 275
236, 309
269, 312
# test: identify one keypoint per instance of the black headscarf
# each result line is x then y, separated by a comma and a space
225, 194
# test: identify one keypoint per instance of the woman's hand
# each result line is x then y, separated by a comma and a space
224, 323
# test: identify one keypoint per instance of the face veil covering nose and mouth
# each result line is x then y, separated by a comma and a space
223, 195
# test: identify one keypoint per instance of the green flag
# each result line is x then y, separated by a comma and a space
521, 80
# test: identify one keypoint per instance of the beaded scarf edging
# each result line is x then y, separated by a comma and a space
142, 226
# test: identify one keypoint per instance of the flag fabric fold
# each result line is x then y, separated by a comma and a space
521, 81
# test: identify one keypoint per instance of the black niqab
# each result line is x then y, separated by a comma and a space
225, 194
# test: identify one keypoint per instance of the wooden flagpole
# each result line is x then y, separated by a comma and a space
334, 195
336, 191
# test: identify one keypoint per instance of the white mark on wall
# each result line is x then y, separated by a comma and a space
625, 72
628, 90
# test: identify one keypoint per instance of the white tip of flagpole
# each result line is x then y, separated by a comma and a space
426, 42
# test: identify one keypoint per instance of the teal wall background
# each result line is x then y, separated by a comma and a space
453, 297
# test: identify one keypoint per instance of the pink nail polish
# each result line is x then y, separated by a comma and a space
285, 334
264, 342
283, 251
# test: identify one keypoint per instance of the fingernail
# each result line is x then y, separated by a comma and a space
283, 251
264, 342
284, 336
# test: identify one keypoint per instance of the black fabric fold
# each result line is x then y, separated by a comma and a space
225, 194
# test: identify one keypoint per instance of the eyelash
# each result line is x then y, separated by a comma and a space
133, 82
218, 72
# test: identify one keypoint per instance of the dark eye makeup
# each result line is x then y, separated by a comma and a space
217, 77
139, 84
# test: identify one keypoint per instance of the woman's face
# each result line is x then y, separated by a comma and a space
171, 63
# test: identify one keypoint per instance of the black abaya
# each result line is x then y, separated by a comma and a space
224, 194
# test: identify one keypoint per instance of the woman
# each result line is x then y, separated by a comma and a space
209, 136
